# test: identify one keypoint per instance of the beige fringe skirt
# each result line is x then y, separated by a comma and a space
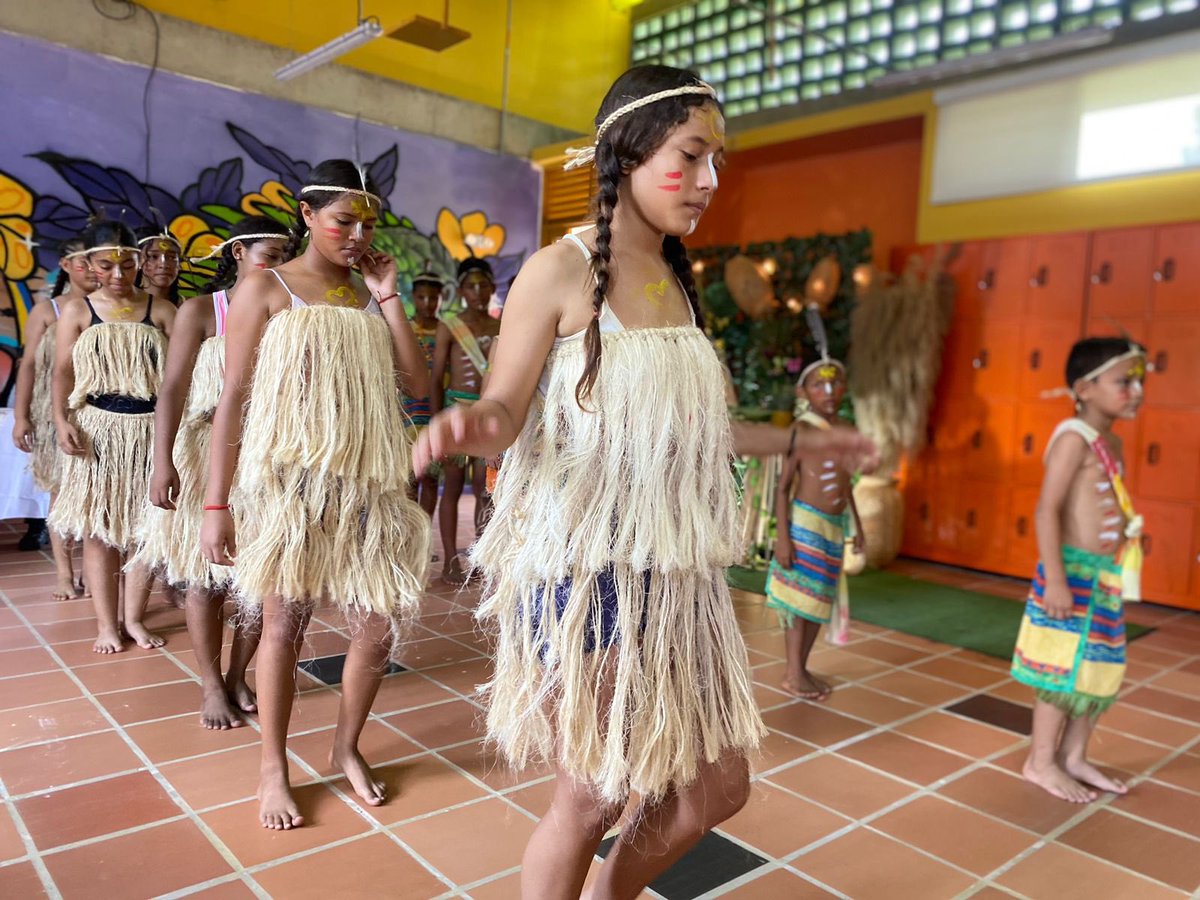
170, 539
103, 493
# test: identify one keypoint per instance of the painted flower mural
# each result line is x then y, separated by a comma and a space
32, 227
469, 236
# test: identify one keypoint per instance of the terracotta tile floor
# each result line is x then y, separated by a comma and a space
110, 788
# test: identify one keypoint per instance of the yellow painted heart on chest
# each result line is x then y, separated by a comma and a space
655, 292
124, 312
343, 296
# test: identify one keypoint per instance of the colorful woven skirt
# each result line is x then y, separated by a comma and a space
1077, 663
814, 584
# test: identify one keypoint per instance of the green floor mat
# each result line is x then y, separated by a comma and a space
981, 622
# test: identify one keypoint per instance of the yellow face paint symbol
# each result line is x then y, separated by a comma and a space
114, 255
715, 122
655, 292
828, 373
342, 296
1137, 369
165, 246
360, 206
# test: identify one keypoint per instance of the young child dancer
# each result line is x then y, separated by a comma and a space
109, 354
320, 498
427, 295
1071, 647
162, 258
33, 420
463, 341
170, 533
619, 658
806, 583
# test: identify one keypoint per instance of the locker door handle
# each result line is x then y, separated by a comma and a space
923, 510
1035, 360
1027, 443
977, 440
988, 281
1160, 361
1166, 272
1153, 453
1041, 278
1103, 275
980, 361
1147, 544
970, 518
1022, 526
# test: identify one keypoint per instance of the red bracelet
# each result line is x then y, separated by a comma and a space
213, 507
392, 296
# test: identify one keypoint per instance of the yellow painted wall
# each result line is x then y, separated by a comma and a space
564, 55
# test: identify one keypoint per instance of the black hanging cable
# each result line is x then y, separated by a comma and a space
129, 9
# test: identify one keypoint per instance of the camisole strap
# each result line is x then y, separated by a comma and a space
57, 311
146, 319
296, 301
578, 242
220, 310
96, 320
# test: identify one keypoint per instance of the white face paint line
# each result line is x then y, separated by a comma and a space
712, 170
358, 230
691, 228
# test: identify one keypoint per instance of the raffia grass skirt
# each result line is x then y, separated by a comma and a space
170, 539
103, 493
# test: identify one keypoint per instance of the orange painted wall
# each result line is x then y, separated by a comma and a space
865, 178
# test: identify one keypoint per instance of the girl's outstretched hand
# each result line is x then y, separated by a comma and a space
850, 448
457, 431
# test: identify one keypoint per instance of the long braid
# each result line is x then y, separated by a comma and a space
608, 177
61, 283
296, 237
676, 254
226, 272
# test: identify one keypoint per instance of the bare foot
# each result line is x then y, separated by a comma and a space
1084, 771
1057, 783
452, 571
64, 590
241, 695
174, 597
81, 589
147, 640
109, 641
358, 773
277, 809
808, 687
216, 712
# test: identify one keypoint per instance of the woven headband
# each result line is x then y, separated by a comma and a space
1134, 352
165, 236
220, 248
118, 248
334, 189
582, 156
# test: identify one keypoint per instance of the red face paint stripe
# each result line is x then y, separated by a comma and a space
333, 232
668, 187
675, 176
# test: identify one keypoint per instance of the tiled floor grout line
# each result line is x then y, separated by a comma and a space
166, 786
32, 854
773, 864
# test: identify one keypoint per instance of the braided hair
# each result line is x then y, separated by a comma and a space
227, 265
335, 172
630, 141
63, 281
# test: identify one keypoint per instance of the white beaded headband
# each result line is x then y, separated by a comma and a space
75, 254
582, 156
220, 248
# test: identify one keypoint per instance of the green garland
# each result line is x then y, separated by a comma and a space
766, 356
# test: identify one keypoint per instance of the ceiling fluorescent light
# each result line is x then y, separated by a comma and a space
1083, 39
367, 31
